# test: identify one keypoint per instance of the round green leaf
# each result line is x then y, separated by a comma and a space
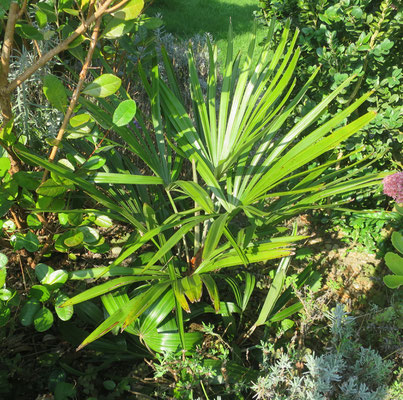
4, 166
56, 279
287, 324
356, 12
75, 239
41, 18
9, 226
130, 11
75, 219
152, 23
59, 243
28, 32
49, 203
5, 294
39, 292
124, 113
33, 221
94, 163
117, 28
394, 262
109, 385
3, 261
55, 92
56, 376
4, 315
63, 218
103, 86
101, 247
43, 320
27, 180
28, 311
64, 390
31, 242
42, 271
80, 119
91, 235
64, 313
103, 221
393, 281
50, 188
397, 241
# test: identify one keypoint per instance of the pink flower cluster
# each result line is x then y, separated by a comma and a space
393, 186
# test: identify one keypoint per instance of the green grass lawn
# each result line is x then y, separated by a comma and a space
186, 18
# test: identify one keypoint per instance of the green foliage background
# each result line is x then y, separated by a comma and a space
361, 37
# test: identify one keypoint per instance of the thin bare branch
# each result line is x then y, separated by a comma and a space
117, 6
76, 93
59, 48
8, 43
23, 8
5, 101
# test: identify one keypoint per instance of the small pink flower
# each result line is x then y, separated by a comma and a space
393, 186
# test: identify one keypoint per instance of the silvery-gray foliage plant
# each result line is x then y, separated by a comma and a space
347, 371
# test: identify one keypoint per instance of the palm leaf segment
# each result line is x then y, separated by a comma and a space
237, 141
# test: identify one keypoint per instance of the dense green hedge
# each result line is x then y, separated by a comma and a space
361, 37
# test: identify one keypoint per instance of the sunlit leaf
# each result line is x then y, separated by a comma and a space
64, 313
93, 163
103, 221
124, 113
43, 320
117, 28
212, 289
127, 314
103, 86
28, 31
56, 278
130, 10
4, 166
105, 288
74, 239
393, 281
3, 270
42, 270
55, 92
394, 263
39, 292
90, 235
397, 241
192, 286
50, 188
28, 311
170, 342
